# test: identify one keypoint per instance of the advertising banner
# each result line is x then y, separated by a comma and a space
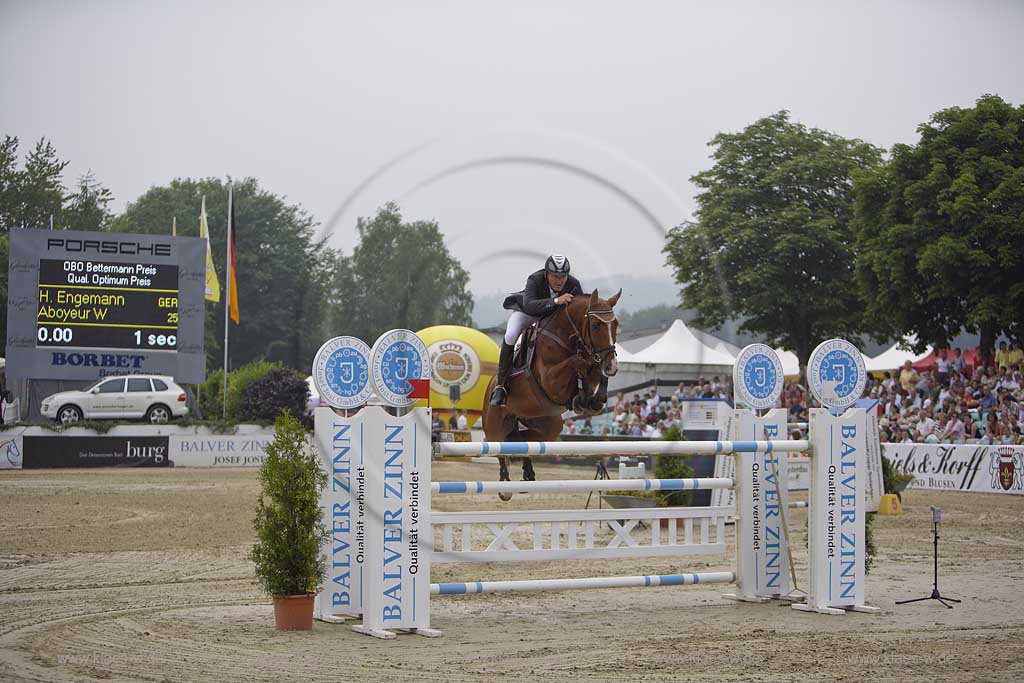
960, 467
399, 539
219, 450
85, 305
94, 451
11, 450
798, 472
837, 511
760, 504
339, 442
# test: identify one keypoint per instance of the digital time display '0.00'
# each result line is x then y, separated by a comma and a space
107, 305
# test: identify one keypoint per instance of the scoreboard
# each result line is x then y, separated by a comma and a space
86, 305
107, 305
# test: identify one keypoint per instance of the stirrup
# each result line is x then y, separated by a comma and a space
499, 396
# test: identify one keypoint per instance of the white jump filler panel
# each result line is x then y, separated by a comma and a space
340, 443
837, 511
760, 499
399, 538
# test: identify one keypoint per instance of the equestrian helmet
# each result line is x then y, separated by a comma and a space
557, 264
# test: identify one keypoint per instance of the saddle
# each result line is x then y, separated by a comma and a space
522, 360
525, 348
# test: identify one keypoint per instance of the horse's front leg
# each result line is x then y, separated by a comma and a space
504, 476
528, 473
571, 369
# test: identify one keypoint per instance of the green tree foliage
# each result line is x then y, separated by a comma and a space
211, 394
939, 228
10, 181
30, 194
771, 244
674, 467
288, 523
401, 275
283, 275
279, 390
86, 209
36, 192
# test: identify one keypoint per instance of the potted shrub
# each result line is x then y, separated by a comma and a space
893, 480
289, 526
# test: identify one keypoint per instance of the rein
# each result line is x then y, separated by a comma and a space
585, 345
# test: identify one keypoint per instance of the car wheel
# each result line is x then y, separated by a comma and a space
158, 414
69, 415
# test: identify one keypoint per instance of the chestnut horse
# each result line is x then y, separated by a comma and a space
575, 345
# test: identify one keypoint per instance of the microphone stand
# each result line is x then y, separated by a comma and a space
935, 582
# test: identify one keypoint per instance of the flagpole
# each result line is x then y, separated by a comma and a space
227, 305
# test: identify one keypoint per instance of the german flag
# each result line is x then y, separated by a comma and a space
232, 279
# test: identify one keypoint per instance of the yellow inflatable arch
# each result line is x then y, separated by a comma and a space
459, 356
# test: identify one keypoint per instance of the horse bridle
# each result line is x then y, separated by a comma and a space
585, 347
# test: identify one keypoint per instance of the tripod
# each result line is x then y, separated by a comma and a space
935, 583
601, 473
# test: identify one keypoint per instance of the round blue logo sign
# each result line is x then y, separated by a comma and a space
341, 372
397, 357
836, 373
757, 376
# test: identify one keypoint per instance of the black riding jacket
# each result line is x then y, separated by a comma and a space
536, 299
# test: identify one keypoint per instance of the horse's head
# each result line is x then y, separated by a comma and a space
594, 319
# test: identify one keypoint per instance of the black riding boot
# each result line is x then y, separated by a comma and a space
499, 396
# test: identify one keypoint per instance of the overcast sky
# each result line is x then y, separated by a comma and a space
521, 128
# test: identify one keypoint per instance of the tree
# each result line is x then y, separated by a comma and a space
86, 209
9, 184
282, 274
401, 275
939, 229
30, 196
771, 240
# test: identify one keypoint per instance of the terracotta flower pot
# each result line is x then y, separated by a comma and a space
293, 612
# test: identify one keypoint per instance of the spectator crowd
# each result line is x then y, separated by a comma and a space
649, 415
951, 402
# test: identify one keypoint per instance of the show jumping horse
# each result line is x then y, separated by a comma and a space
565, 365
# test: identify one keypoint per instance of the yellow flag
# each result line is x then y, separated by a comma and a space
212, 283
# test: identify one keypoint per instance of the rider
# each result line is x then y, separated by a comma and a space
545, 291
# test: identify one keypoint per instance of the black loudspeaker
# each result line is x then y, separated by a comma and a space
454, 392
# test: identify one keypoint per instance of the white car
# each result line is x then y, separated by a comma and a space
157, 398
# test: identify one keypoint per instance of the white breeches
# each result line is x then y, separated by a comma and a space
517, 322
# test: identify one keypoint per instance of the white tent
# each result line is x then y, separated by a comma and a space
714, 342
639, 343
893, 358
726, 348
677, 355
790, 363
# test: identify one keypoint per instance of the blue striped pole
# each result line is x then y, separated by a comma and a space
603, 448
581, 485
649, 581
